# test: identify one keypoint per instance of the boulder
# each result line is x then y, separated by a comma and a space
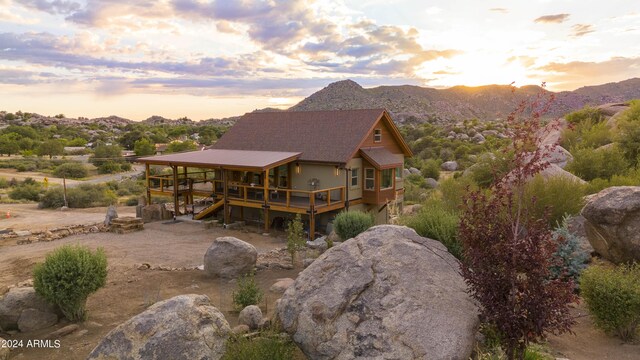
478, 138
280, 286
431, 183
319, 243
552, 132
183, 327
405, 173
32, 320
413, 170
576, 226
333, 238
558, 156
411, 209
449, 166
229, 257
250, 316
155, 212
386, 294
19, 299
240, 329
554, 170
613, 223
611, 109
112, 213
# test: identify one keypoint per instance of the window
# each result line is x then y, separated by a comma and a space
369, 179
386, 179
377, 135
354, 177
399, 172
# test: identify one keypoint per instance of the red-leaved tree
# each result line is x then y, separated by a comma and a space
508, 252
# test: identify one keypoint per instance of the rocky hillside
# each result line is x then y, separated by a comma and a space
414, 103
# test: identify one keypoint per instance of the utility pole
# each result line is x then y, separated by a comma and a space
64, 185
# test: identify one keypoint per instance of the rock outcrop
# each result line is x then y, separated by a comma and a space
23, 309
386, 294
613, 223
250, 316
229, 257
183, 327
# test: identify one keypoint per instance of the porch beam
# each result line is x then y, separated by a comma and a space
225, 196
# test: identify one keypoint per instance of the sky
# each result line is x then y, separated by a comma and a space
212, 59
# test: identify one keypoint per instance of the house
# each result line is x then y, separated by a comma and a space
275, 164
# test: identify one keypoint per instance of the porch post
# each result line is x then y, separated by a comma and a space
147, 173
312, 224
265, 182
175, 192
225, 195
346, 187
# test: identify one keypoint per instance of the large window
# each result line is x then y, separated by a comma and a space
354, 177
386, 178
377, 135
369, 179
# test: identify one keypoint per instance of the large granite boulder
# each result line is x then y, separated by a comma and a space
250, 316
559, 156
449, 166
155, 212
553, 170
23, 309
183, 327
386, 294
613, 223
229, 257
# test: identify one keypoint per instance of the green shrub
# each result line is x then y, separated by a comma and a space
613, 298
68, 276
247, 292
589, 164
132, 201
269, 345
587, 113
559, 195
416, 180
4, 183
572, 261
431, 169
26, 191
295, 236
631, 178
81, 196
71, 170
629, 133
490, 167
348, 224
109, 167
436, 222
52, 198
454, 191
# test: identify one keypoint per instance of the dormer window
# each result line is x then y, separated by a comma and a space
377, 135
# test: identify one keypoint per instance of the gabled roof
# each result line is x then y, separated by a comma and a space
321, 136
381, 158
241, 159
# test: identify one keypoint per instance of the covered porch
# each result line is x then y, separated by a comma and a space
237, 178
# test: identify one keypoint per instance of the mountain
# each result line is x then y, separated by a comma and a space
414, 103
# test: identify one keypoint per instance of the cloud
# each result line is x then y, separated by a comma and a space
573, 74
499, 10
23, 77
552, 19
581, 29
526, 61
52, 7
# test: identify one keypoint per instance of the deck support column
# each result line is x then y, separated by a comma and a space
147, 172
175, 192
265, 184
225, 196
312, 224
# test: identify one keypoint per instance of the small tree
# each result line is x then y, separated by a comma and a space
247, 293
508, 252
144, 147
50, 148
71, 170
106, 153
295, 236
68, 276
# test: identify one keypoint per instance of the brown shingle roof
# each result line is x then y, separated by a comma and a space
381, 158
323, 136
224, 158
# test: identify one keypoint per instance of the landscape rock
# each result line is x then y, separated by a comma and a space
240, 329
411, 209
306, 262
577, 226
478, 138
431, 182
558, 156
32, 320
413, 170
333, 238
613, 223
552, 132
229, 257
405, 173
250, 316
64, 331
611, 109
319, 243
183, 327
449, 166
155, 212
281, 285
554, 170
386, 294
18, 300
112, 213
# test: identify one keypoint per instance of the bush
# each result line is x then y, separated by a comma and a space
587, 113
613, 298
436, 222
571, 261
454, 192
132, 201
295, 236
631, 178
267, 346
71, 170
431, 169
82, 196
26, 191
558, 195
68, 276
348, 224
590, 164
247, 293
109, 167
4, 183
